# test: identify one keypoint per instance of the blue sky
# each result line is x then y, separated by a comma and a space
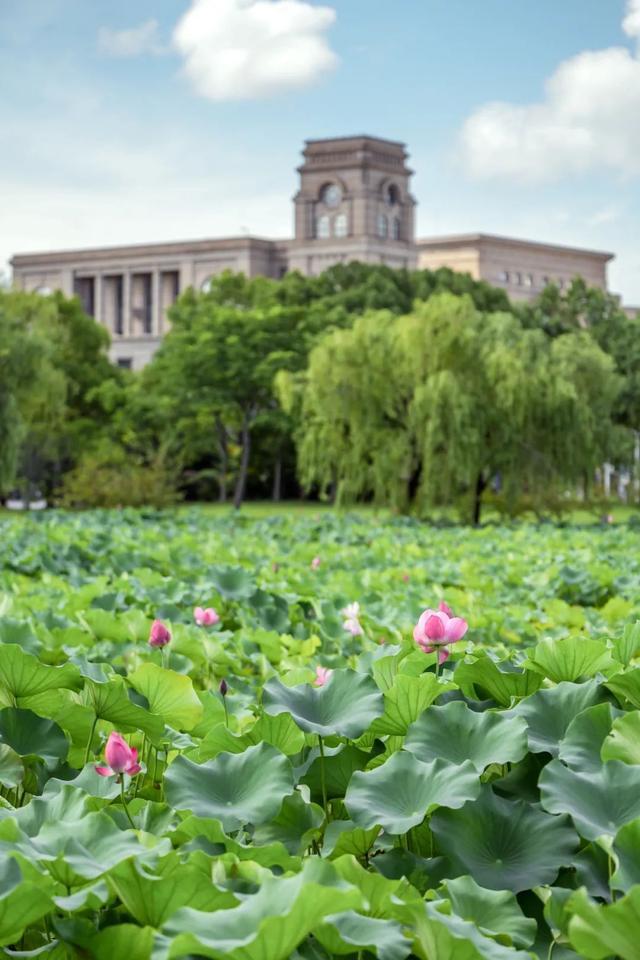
176, 119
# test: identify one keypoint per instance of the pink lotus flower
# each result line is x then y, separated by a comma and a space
438, 628
315, 563
445, 608
322, 676
352, 624
159, 635
206, 617
120, 757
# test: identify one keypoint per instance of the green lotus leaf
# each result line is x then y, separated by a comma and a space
598, 931
350, 932
455, 733
496, 913
406, 700
281, 732
570, 658
582, 743
110, 701
483, 678
599, 802
296, 825
152, 897
399, 794
92, 896
626, 686
386, 668
208, 835
86, 849
30, 735
236, 789
60, 803
11, 767
627, 645
445, 937
123, 940
626, 850
345, 837
23, 675
504, 844
548, 713
340, 764
268, 924
233, 582
346, 705
22, 902
170, 695
623, 740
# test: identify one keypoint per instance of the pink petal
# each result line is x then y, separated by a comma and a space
443, 654
198, 615
456, 629
445, 608
434, 628
133, 769
105, 771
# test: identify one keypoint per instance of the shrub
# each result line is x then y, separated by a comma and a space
111, 477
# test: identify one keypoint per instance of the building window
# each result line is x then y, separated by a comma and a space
517, 278
44, 290
383, 226
206, 285
118, 319
504, 276
84, 289
397, 229
545, 281
392, 195
125, 363
323, 227
340, 225
528, 279
561, 283
331, 195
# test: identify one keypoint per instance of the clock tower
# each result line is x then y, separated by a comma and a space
354, 203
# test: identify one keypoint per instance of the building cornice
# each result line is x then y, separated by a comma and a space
481, 239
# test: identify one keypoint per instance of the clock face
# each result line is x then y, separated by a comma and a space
332, 195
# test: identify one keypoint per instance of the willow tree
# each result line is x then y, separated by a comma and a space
428, 407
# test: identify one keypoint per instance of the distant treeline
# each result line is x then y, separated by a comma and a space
415, 389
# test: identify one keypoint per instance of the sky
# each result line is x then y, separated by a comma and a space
181, 119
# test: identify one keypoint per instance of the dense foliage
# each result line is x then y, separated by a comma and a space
414, 389
256, 807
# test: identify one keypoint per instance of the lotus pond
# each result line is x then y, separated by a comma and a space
287, 772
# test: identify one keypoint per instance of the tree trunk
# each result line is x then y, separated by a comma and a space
277, 480
224, 461
477, 500
241, 482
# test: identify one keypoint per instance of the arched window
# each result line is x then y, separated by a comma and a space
397, 229
392, 195
331, 195
340, 225
383, 226
323, 227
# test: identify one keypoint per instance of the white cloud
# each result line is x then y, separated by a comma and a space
130, 42
631, 22
244, 49
588, 119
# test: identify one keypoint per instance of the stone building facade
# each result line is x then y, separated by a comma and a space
353, 203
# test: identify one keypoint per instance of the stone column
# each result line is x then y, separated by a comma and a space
98, 299
126, 304
156, 304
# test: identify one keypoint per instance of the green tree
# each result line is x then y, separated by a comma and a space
217, 365
427, 408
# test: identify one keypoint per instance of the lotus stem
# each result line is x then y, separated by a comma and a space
323, 779
90, 740
124, 803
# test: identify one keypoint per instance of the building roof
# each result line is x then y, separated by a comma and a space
117, 252
462, 239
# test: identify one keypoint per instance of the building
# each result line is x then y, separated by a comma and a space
353, 203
